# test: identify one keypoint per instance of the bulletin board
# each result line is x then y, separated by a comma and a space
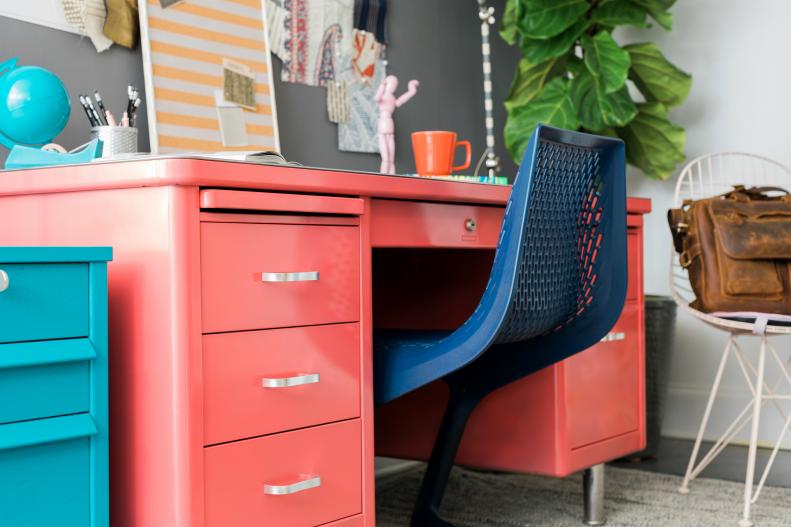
208, 76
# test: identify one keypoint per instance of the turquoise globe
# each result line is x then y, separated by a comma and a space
34, 105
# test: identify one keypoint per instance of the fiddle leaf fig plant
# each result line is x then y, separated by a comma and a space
573, 74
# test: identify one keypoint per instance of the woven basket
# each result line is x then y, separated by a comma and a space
660, 328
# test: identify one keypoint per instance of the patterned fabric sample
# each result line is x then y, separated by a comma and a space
87, 17
74, 10
122, 24
359, 133
371, 16
276, 22
366, 52
318, 34
337, 102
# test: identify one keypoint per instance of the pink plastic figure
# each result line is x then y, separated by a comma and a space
385, 98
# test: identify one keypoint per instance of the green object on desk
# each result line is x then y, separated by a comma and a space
497, 180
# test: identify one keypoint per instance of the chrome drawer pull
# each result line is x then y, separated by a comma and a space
287, 382
306, 276
4, 281
283, 490
609, 337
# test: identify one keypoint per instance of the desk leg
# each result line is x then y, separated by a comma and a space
593, 487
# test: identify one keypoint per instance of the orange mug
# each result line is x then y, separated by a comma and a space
434, 153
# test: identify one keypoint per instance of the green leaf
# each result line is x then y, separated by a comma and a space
653, 143
575, 65
598, 109
658, 11
552, 106
540, 50
656, 77
530, 79
508, 28
663, 18
605, 59
619, 13
542, 19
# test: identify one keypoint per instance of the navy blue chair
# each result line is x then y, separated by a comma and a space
557, 286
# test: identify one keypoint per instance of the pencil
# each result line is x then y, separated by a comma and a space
102, 109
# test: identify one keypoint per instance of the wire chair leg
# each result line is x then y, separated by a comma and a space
684, 489
748, 482
432, 489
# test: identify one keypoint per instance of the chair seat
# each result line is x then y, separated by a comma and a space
733, 324
405, 360
387, 340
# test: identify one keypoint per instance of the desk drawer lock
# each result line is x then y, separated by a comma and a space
470, 224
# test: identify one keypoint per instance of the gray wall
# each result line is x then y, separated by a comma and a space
436, 41
81, 69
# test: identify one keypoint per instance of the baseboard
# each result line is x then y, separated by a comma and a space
686, 404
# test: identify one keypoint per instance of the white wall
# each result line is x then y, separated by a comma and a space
47, 13
740, 101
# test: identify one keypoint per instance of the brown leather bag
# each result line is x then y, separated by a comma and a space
736, 248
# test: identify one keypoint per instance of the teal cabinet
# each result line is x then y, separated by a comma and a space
53, 387
54, 292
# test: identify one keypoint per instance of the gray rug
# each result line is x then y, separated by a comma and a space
634, 499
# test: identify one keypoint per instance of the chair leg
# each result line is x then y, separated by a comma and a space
684, 489
432, 489
593, 487
757, 402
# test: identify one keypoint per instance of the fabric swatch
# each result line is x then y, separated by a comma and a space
276, 20
359, 133
318, 34
337, 102
371, 16
88, 18
122, 24
366, 51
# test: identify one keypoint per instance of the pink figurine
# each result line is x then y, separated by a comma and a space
385, 98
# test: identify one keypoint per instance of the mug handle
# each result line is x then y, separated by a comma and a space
468, 156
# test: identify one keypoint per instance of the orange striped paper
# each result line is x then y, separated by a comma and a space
184, 49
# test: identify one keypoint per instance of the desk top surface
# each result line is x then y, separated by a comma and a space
201, 172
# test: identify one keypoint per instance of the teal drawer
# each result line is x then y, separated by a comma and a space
45, 379
45, 477
44, 301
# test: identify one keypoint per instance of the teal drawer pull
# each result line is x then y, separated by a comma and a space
36, 432
45, 352
4, 282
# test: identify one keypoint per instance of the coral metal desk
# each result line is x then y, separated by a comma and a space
242, 300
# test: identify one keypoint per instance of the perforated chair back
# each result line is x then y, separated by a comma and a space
560, 239
559, 274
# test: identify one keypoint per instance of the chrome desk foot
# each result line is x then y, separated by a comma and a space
593, 487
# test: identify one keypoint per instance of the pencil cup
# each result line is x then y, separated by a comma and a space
116, 140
